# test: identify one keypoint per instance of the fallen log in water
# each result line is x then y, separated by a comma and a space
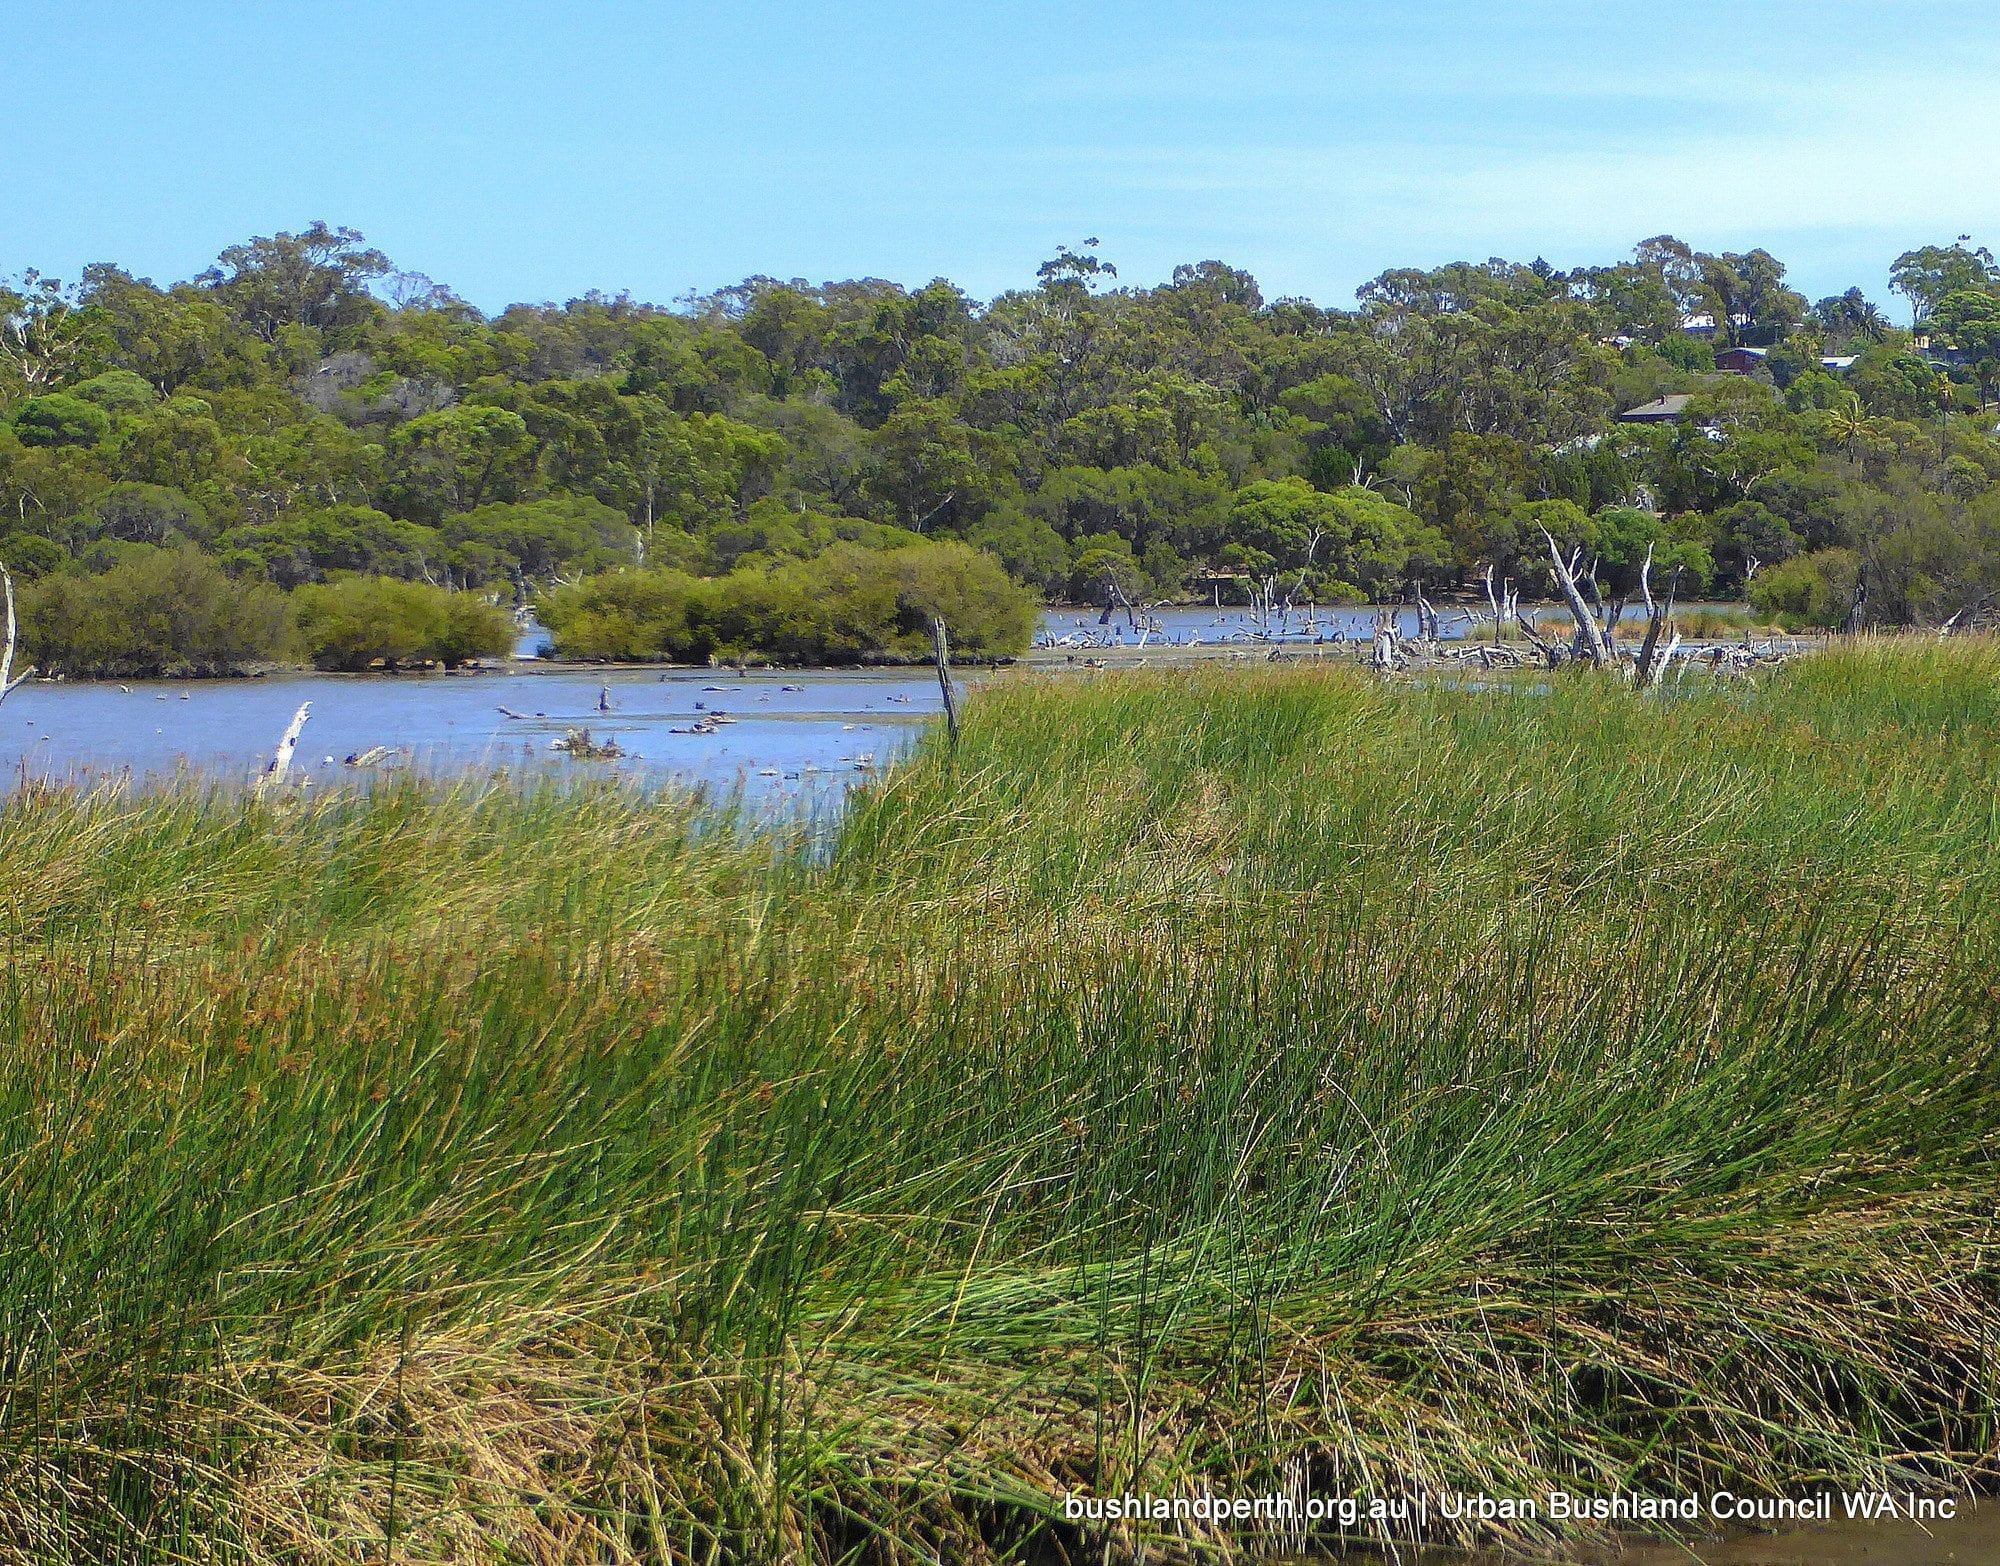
281, 762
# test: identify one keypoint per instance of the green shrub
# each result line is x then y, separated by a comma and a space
624, 614
148, 514
359, 622
1811, 590
310, 546
1686, 353
117, 391
851, 604
160, 611
538, 538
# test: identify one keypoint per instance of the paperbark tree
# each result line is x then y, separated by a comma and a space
9, 680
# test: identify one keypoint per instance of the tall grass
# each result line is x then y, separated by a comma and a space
1235, 1081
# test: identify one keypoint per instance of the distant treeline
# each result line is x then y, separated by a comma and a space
303, 412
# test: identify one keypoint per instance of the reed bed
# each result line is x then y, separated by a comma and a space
1240, 1082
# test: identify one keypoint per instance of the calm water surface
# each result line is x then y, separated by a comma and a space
1195, 625
790, 732
1187, 625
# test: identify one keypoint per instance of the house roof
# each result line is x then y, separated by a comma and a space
1671, 406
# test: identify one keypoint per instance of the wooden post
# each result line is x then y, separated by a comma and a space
275, 773
9, 680
941, 654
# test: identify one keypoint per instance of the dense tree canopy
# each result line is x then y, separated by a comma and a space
303, 413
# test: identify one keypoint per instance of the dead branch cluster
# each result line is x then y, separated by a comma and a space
1594, 641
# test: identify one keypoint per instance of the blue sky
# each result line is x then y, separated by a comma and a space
518, 149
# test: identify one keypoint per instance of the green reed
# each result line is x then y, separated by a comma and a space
1235, 1080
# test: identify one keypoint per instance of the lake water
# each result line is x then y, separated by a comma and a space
792, 732
788, 732
1194, 625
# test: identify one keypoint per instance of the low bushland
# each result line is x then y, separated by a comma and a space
175, 612
361, 622
851, 604
1236, 1081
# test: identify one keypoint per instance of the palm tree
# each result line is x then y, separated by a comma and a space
1988, 371
1868, 321
1850, 426
1850, 316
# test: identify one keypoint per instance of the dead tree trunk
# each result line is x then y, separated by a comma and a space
1590, 640
1427, 618
941, 655
1387, 658
1646, 671
1114, 599
281, 762
9, 680
1552, 655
